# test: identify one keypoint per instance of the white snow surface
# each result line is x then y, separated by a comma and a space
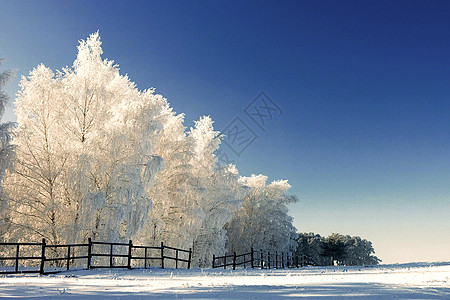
405, 281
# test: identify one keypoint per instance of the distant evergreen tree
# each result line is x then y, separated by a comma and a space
358, 252
311, 245
337, 249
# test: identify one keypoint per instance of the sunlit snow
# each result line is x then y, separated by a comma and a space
407, 281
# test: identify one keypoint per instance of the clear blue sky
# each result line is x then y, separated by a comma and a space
364, 86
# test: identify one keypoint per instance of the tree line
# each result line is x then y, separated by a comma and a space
337, 249
93, 156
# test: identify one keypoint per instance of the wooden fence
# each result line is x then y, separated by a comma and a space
262, 260
96, 254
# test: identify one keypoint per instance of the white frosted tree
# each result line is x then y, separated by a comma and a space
174, 217
6, 148
35, 188
192, 197
263, 221
110, 125
84, 158
220, 193
96, 157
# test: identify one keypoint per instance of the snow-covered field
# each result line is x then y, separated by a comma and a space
406, 281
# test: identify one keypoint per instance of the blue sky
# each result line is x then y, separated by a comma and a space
364, 137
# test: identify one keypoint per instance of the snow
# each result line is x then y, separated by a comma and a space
406, 281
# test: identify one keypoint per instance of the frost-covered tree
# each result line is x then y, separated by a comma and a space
98, 158
35, 187
220, 193
111, 124
174, 217
192, 197
263, 221
84, 158
6, 148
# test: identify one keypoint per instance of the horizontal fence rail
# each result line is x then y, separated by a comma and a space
95, 255
262, 260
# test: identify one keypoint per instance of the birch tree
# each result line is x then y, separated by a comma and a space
84, 160
96, 157
220, 193
7, 153
175, 214
263, 221
35, 188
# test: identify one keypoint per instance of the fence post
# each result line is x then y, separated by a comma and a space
276, 259
68, 258
89, 254
17, 258
286, 263
130, 247
234, 260
145, 259
251, 259
189, 259
268, 259
176, 259
41, 270
225, 262
162, 255
111, 256
262, 259
214, 260
282, 260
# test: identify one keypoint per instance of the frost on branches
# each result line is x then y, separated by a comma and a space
263, 220
6, 148
96, 157
220, 193
84, 161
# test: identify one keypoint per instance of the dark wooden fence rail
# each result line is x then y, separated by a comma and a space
19, 258
236, 260
176, 258
71, 255
262, 260
92, 253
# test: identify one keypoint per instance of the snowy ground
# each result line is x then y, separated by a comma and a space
407, 281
